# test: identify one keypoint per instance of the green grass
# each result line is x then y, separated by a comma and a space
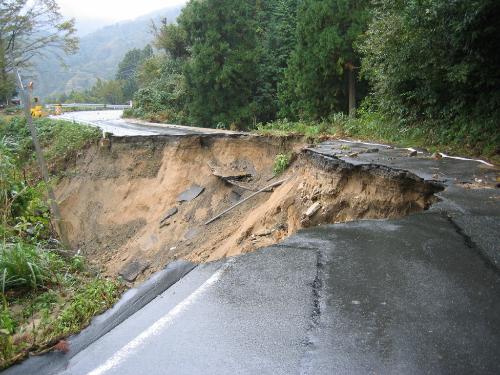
460, 137
25, 266
92, 299
60, 140
281, 162
43, 317
43, 296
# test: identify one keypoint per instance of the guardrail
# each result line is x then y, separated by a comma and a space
89, 106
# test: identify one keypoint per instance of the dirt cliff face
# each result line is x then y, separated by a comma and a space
121, 207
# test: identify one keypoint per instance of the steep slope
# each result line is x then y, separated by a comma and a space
124, 206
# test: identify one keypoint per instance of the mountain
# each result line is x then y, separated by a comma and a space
98, 57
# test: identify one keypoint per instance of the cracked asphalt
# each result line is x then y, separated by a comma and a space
417, 295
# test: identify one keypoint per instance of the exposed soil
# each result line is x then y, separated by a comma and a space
116, 198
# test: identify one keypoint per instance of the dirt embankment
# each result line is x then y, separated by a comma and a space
122, 203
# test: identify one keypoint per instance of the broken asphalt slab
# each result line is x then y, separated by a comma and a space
170, 213
133, 269
474, 211
188, 195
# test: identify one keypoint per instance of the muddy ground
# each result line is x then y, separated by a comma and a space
121, 201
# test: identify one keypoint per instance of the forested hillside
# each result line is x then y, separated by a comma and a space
422, 73
98, 56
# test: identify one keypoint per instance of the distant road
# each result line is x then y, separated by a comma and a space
111, 122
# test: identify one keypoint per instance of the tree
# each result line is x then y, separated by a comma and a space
276, 41
220, 75
163, 96
320, 75
172, 39
108, 92
435, 59
127, 69
30, 28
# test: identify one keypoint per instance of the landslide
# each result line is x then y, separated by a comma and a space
117, 198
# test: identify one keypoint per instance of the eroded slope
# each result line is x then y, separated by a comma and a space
116, 199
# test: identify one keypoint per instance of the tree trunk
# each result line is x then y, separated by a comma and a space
352, 90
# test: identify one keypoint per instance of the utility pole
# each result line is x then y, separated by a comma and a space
54, 207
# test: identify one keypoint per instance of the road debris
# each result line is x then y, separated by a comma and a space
133, 269
226, 173
193, 192
312, 210
247, 198
168, 215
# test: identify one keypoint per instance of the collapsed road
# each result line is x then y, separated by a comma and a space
395, 271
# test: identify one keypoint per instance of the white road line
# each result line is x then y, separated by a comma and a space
364, 143
466, 159
160, 325
420, 152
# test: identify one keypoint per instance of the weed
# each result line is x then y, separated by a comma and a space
7, 329
27, 266
460, 137
281, 163
89, 301
45, 301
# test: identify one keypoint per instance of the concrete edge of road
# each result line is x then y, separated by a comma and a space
181, 127
132, 301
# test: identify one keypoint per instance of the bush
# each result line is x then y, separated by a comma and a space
434, 60
26, 266
163, 99
59, 139
281, 163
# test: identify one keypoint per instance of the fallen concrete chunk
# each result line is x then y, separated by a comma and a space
190, 194
169, 214
265, 232
226, 173
311, 211
133, 269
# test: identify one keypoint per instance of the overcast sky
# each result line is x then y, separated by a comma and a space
112, 10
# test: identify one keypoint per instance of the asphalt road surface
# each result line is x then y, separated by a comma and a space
111, 122
417, 295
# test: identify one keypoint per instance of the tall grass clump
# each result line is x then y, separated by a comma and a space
25, 266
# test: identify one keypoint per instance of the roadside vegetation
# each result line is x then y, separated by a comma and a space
435, 136
281, 163
46, 293
420, 74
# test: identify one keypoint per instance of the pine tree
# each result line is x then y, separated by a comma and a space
221, 72
324, 62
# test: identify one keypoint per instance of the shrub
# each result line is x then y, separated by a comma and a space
26, 266
281, 163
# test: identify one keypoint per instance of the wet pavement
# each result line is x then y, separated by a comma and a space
111, 122
417, 295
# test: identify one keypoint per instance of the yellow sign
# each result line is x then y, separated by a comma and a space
36, 111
